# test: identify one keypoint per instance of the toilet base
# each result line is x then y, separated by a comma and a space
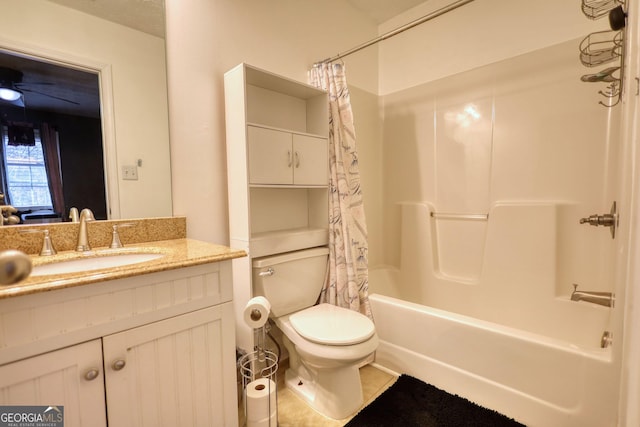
335, 393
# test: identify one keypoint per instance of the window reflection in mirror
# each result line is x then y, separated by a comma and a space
52, 148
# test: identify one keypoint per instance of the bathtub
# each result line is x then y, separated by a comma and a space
537, 380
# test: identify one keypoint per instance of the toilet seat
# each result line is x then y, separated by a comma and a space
322, 355
332, 325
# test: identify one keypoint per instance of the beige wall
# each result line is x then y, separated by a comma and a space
205, 39
137, 114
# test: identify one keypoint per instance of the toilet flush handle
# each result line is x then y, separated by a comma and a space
268, 272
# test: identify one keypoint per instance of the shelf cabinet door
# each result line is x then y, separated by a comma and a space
310, 159
174, 372
270, 156
71, 377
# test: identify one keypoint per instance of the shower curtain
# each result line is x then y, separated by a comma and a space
347, 283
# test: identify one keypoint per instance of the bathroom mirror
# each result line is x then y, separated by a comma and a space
79, 71
67, 101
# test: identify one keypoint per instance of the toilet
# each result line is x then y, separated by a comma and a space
326, 343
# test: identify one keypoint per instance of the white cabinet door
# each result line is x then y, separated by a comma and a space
282, 158
71, 377
270, 156
174, 372
311, 161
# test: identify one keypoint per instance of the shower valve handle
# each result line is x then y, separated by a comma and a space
606, 220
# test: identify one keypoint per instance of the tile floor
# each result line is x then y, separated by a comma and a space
293, 412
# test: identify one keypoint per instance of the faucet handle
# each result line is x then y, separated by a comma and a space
73, 215
8, 208
115, 236
47, 244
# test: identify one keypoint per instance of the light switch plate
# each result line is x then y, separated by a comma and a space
130, 173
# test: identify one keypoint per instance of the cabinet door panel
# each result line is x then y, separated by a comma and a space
175, 371
270, 156
59, 378
311, 162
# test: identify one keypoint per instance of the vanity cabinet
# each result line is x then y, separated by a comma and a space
277, 171
152, 350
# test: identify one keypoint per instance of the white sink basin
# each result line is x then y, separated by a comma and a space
92, 263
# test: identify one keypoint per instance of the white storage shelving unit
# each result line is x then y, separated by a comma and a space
277, 171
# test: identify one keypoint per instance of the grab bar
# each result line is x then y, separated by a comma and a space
448, 215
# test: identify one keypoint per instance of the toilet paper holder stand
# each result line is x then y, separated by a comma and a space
258, 369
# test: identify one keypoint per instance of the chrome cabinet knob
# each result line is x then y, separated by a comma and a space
92, 374
118, 365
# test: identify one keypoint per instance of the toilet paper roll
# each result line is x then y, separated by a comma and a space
261, 400
256, 312
271, 421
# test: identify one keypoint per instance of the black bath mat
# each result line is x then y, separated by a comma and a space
410, 402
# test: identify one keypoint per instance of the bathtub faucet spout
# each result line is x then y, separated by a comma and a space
601, 298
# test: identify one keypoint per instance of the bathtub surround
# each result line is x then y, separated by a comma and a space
488, 142
347, 283
410, 402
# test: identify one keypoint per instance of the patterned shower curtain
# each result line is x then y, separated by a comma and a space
347, 284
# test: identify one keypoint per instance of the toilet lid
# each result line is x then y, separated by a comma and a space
332, 325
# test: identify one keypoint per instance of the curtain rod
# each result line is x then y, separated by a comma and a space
399, 30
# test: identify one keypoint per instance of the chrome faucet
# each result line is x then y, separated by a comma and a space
83, 239
606, 299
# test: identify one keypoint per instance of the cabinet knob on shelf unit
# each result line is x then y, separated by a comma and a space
91, 374
118, 365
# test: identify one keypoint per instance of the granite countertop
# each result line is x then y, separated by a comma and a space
177, 253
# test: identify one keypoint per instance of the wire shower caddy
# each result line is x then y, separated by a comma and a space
603, 47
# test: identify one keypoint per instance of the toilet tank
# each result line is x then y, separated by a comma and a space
290, 281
